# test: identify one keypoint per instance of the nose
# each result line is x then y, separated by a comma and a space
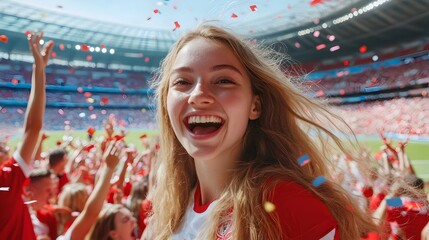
201, 95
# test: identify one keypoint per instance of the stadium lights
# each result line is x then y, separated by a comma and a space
112, 51
41, 42
91, 49
77, 47
103, 50
97, 49
343, 18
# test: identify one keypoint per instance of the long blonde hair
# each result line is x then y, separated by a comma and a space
271, 147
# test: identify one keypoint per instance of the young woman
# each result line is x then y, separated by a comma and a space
232, 128
114, 222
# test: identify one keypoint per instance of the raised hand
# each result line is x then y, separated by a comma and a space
111, 155
41, 55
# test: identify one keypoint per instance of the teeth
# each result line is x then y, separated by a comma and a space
204, 119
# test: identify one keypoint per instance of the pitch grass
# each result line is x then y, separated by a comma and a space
418, 152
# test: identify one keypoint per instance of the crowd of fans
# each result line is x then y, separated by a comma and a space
387, 77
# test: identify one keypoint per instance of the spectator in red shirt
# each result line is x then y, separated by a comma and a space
15, 221
57, 162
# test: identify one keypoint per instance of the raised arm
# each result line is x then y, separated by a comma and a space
93, 206
36, 104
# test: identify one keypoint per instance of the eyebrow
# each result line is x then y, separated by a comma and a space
214, 68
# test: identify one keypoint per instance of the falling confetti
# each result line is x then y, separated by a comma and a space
334, 48
143, 136
269, 207
316, 2
303, 160
363, 49
104, 100
316, 33
176, 25
319, 181
53, 54
320, 46
297, 45
89, 58
253, 8
156, 11
15, 81
234, 15
4, 39
84, 48
394, 202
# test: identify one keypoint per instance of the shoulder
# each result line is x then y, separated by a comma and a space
301, 213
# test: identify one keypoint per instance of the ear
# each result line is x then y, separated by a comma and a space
255, 110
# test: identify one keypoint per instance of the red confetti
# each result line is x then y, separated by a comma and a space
320, 93
61, 46
346, 62
146, 59
253, 8
84, 48
175, 7
316, 2
4, 39
234, 15
87, 94
44, 136
157, 147
61, 112
176, 25
342, 92
118, 137
53, 54
143, 136
102, 46
120, 70
88, 148
156, 11
58, 143
27, 33
89, 58
80, 90
320, 46
363, 49
104, 100
91, 130
15, 81
90, 108
20, 111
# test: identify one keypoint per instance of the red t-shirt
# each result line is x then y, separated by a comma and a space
46, 216
15, 220
62, 180
145, 208
301, 214
411, 218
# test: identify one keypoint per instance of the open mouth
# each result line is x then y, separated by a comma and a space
203, 125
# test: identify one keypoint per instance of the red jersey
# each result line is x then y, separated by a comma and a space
62, 180
15, 220
301, 215
46, 216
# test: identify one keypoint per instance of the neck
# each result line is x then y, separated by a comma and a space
214, 175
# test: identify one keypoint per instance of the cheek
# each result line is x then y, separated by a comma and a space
175, 102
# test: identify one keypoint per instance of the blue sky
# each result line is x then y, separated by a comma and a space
188, 12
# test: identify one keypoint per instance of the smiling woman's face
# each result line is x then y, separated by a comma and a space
210, 100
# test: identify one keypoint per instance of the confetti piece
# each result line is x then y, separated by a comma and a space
143, 136
44, 136
15, 81
175, 7
58, 143
71, 70
146, 59
234, 15
316, 33
320, 93
4, 189
253, 8
269, 207
316, 21
346, 62
303, 160
84, 48
27, 33
331, 38
297, 45
75, 214
104, 100
89, 58
90, 108
363, 49
88, 148
30, 202
156, 11
102, 46
176, 25
320, 46
53, 54
4, 39
319, 181
61, 112
118, 137
87, 94
79, 90
342, 91
93, 116
334, 48
91, 130
7, 169
316, 2
394, 202
61, 46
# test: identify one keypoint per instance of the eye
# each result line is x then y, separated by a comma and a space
180, 82
225, 81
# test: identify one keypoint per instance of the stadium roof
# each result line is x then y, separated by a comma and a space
141, 32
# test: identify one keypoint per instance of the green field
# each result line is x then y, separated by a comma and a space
418, 152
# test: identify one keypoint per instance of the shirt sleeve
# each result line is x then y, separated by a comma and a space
26, 169
301, 214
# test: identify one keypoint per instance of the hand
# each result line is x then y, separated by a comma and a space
41, 56
111, 155
425, 232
